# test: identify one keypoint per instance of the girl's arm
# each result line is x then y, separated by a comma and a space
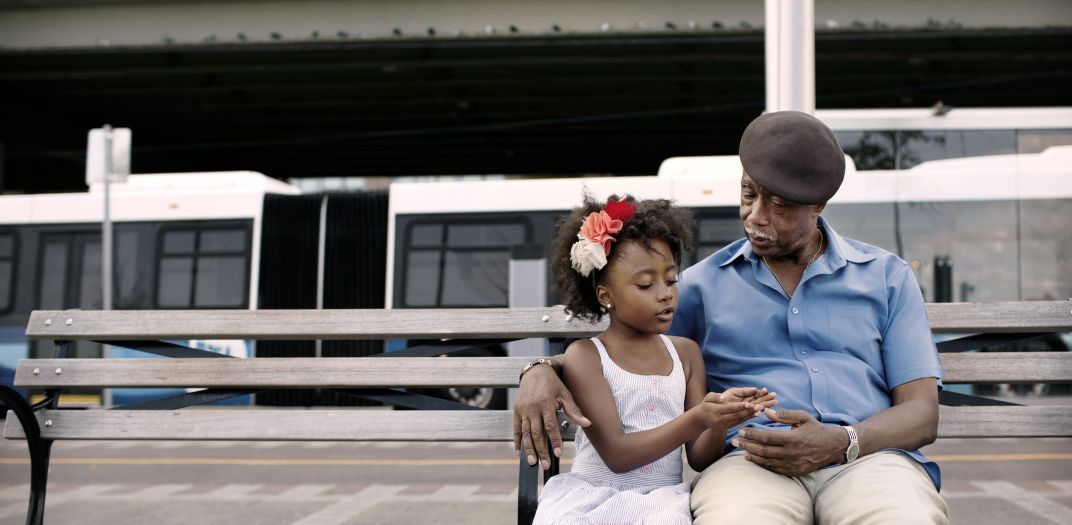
707, 447
621, 451
718, 409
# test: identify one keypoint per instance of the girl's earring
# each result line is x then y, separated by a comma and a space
609, 306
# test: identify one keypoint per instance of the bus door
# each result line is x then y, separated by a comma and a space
69, 276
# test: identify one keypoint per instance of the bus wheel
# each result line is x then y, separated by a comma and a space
490, 398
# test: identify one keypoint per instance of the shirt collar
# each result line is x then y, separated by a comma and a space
837, 250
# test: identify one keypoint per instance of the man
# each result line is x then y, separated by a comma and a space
837, 328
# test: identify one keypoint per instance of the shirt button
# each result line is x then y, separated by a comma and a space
804, 352
796, 310
815, 369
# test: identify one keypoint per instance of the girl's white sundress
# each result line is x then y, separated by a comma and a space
591, 493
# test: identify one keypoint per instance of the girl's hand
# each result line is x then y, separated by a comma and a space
763, 400
735, 406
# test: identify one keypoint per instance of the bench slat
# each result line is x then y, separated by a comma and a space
990, 367
341, 372
387, 425
482, 323
1008, 367
1000, 317
1005, 421
275, 425
478, 323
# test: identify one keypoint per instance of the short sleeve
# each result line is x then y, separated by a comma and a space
908, 351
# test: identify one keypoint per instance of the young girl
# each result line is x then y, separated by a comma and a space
645, 393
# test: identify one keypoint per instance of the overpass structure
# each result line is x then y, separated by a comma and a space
426, 87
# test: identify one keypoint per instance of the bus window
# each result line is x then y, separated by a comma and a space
7, 271
870, 150
1037, 140
53, 274
977, 238
132, 267
203, 267
460, 264
69, 277
873, 223
89, 289
1045, 250
914, 147
715, 232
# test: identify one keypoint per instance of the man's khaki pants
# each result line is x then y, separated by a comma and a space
886, 487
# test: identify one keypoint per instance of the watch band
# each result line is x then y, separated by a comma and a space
853, 450
541, 361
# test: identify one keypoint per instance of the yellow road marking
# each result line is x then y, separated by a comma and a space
998, 457
946, 458
269, 462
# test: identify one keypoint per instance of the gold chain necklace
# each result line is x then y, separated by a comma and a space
816, 254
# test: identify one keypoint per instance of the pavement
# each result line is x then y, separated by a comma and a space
999, 481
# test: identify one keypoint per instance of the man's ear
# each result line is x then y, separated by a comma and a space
817, 209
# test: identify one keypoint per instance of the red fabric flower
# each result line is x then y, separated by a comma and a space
620, 210
599, 227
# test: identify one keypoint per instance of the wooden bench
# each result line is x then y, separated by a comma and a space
421, 367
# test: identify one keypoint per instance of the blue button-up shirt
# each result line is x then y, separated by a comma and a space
855, 329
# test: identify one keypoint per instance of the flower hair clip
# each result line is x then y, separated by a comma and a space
593, 245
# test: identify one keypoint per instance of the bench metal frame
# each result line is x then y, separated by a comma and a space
372, 377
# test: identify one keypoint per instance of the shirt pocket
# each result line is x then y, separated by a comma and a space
852, 329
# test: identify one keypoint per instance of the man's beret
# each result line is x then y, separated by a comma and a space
793, 155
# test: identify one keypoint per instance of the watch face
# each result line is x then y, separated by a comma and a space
852, 452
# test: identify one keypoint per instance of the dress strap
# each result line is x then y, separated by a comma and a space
603, 355
670, 348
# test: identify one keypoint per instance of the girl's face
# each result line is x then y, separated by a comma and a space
642, 286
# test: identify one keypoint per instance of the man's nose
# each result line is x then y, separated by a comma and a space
757, 213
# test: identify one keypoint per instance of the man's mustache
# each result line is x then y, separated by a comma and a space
756, 234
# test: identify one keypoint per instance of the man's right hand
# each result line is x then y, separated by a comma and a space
539, 395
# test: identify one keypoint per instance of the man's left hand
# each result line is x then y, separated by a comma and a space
806, 447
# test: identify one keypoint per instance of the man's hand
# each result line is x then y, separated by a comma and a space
806, 447
539, 395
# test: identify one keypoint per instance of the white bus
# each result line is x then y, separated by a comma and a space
189, 240
982, 189
987, 228
979, 202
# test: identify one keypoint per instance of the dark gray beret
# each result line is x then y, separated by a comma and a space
793, 155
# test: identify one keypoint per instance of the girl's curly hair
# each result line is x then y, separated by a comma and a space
654, 219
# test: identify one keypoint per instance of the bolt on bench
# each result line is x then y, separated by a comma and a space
379, 377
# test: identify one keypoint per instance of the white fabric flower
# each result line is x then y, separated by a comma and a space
586, 256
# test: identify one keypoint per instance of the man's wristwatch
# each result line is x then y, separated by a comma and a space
853, 451
541, 361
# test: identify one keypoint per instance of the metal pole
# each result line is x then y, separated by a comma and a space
321, 250
106, 249
790, 55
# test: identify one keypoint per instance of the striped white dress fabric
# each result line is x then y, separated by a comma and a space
591, 493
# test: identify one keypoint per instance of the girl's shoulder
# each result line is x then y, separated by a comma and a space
687, 351
582, 352
686, 348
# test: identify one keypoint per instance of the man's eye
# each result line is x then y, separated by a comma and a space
671, 282
643, 286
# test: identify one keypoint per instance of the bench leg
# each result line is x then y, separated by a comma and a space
528, 484
39, 453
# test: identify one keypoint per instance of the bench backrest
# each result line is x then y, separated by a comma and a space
474, 425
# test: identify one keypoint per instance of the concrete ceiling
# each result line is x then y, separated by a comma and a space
527, 106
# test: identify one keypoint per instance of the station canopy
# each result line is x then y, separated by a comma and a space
529, 106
